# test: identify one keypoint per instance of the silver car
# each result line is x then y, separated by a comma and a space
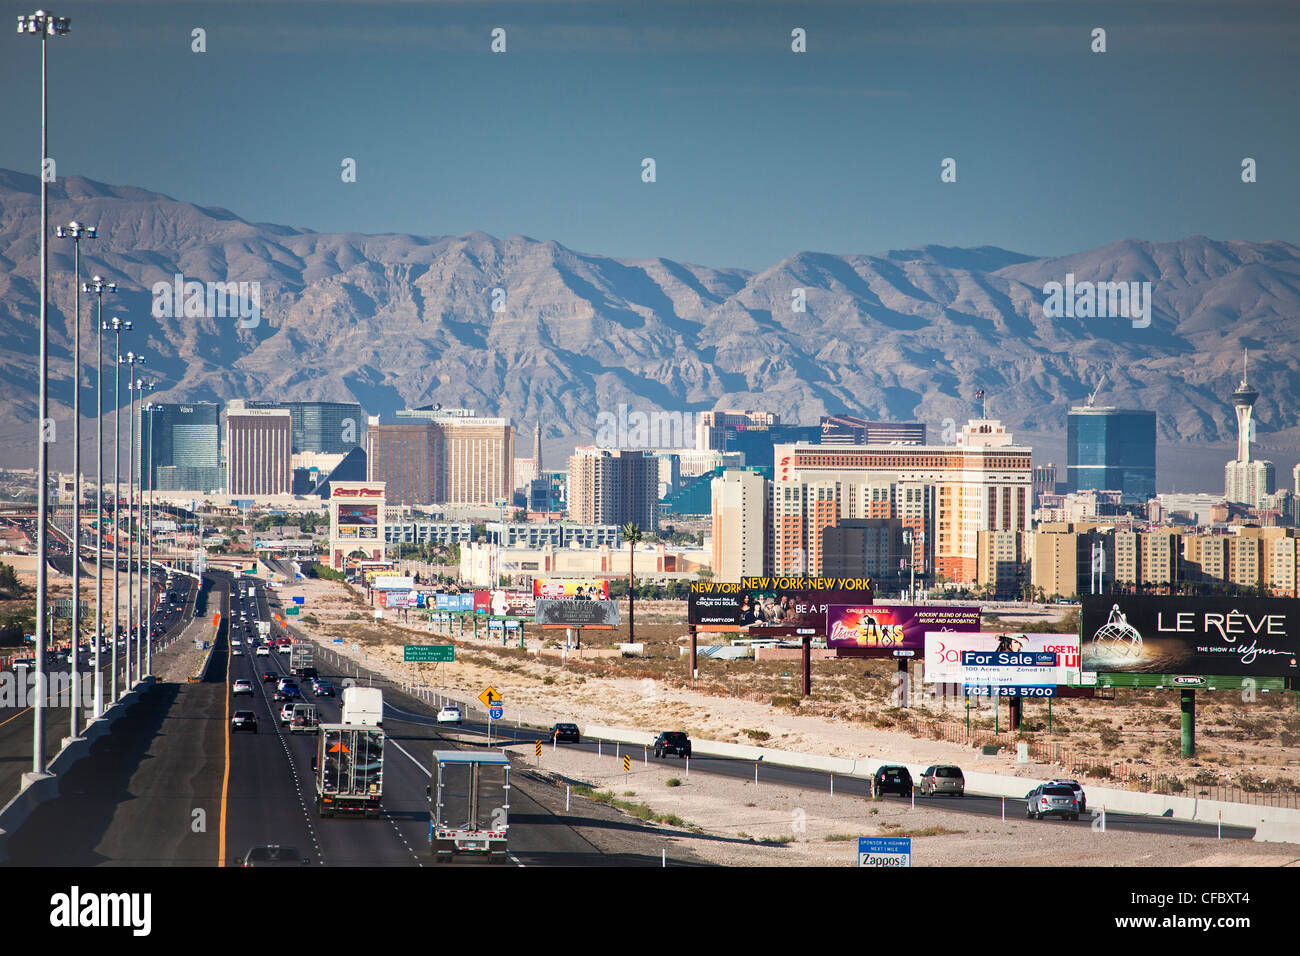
1078, 792
1051, 798
943, 779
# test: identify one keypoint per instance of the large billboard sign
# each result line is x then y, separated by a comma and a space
454, 602
563, 612
892, 630
1009, 673
775, 606
1191, 635
513, 604
586, 589
944, 661
358, 514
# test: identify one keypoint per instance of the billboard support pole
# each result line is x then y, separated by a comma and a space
1015, 705
807, 666
1189, 721
695, 663
903, 696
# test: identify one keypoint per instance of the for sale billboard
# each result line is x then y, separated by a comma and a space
771, 605
892, 630
561, 612
1009, 673
1257, 637
944, 649
578, 589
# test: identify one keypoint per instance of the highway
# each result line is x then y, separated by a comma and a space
172, 786
16, 721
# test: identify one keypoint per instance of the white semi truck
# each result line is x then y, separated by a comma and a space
469, 804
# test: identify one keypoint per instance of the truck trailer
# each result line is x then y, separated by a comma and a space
469, 804
349, 766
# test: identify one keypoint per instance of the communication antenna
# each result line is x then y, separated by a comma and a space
1093, 397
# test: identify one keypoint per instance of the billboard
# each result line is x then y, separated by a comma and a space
396, 598
589, 589
565, 612
393, 582
773, 606
1009, 673
454, 602
358, 514
1257, 637
944, 650
513, 604
892, 630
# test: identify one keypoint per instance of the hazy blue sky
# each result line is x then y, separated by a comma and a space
760, 152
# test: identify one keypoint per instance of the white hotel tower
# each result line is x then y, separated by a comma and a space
1246, 481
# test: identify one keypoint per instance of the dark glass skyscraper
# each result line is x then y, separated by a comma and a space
331, 428
186, 439
1112, 449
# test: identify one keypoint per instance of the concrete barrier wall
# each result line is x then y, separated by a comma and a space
1277, 824
17, 811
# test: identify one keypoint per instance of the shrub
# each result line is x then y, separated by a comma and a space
757, 734
673, 782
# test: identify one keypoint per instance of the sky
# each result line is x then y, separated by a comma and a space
759, 151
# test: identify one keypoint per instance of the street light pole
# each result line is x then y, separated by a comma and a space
98, 286
149, 645
118, 327
144, 574
46, 25
76, 232
132, 607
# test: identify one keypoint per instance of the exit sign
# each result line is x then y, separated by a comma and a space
428, 653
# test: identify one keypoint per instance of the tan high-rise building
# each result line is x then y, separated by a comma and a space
981, 483
480, 455
454, 460
259, 446
1000, 562
742, 503
614, 486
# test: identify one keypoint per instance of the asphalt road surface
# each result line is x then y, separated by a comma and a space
16, 722
171, 786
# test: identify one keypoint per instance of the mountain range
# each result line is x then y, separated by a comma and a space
398, 320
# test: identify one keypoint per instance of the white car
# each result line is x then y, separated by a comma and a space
286, 714
449, 715
235, 643
263, 651
284, 648
243, 687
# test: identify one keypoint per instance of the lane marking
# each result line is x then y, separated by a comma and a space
14, 717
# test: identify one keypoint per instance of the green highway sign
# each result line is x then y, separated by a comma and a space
429, 653
292, 609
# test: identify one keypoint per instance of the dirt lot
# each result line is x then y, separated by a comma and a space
850, 713
735, 823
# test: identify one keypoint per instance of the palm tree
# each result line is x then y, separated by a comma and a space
631, 533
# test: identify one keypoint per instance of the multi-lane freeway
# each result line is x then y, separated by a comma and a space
171, 785
17, 716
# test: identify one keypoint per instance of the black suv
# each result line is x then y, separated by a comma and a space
891, 779
672, 742
566, 733
308, 673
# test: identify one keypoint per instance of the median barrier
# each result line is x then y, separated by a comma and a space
1273, 824
46, 787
